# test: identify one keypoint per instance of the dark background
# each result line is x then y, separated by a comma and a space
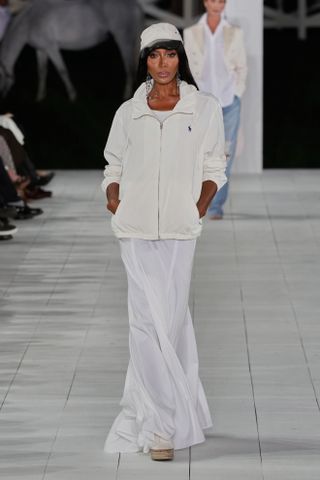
60, 133
64, 134
291, 100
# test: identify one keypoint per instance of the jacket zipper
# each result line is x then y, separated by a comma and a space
160, 151
161, 127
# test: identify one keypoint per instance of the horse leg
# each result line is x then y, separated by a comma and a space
57, 60
128, 60
126, 39
42, 72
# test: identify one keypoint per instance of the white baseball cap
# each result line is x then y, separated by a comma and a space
159, 32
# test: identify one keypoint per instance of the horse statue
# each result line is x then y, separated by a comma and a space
51, 25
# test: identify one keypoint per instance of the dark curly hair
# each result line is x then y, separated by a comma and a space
184, 69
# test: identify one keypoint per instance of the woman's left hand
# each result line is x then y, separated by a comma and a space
208, 191
202, 209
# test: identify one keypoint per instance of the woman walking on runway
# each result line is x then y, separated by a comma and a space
165, 155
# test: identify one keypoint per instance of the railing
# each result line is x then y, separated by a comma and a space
302, 19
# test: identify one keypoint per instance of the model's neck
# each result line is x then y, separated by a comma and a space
161, 91
213, 22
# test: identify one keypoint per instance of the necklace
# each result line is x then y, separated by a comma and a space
156, 96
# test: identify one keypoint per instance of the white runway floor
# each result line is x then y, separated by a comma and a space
256, 305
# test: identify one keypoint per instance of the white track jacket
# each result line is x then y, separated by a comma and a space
160, 166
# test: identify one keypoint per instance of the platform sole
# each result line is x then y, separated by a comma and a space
162, 455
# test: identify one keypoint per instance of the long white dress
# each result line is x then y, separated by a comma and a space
163, 393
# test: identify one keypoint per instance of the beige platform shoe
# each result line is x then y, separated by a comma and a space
162, 449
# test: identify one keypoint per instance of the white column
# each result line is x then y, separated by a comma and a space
249, 15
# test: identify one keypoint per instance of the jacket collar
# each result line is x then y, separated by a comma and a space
186, 104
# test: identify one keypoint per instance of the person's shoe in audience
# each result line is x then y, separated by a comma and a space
26, 212
37, 193
6, 230
8, 211
19, 211
43, 178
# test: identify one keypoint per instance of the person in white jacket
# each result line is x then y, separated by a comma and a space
165, 161
217, 59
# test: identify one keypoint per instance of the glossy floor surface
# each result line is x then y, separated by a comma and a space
255, 300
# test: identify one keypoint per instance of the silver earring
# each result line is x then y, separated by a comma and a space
148, 84
178, 80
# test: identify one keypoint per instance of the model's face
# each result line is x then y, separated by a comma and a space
214, 7
163, 65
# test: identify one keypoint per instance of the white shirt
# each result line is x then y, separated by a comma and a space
161, 114
216, 78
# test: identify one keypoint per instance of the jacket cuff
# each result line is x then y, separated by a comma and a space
107, 181
219, 181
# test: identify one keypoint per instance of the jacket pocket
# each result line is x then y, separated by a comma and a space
116, 215
122, 196
118, 208
196, 209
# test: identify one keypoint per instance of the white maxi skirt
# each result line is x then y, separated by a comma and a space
163, 393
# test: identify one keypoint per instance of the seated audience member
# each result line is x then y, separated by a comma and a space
12, 201
6, 229
17, 161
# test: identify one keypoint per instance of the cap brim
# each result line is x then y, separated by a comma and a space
165, 43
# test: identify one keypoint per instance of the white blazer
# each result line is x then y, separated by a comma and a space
234, 53
160, 166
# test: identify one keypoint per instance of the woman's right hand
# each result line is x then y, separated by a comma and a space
113, 205
113, 197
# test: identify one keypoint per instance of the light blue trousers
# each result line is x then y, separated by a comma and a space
231, 120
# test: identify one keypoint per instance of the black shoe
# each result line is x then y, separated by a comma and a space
8, 212
6, 230
26, 212
43, 180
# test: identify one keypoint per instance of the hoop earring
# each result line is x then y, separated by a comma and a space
148, 84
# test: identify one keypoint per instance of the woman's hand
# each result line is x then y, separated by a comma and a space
202, 209
208, 191
113, 197
112, 205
